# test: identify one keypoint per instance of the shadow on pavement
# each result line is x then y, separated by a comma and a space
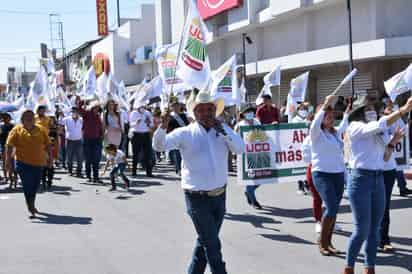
47, 218
136, 183
255, 220
286, 238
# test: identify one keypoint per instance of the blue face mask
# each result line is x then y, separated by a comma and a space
249, 115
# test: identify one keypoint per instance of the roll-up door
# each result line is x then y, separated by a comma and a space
326, 84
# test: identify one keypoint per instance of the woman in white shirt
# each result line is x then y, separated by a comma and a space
112, 124
328, 168
389, 176
247, 118
366, 188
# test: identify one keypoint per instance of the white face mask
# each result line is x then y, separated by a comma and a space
371, 116
303, 113
249, 115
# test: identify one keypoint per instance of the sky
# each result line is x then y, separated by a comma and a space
24, 24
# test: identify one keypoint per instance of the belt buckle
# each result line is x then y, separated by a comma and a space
216, 192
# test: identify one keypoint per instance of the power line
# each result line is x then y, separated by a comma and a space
25, 12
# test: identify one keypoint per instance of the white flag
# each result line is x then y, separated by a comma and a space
224, 83
265, 91
101, 87
398, 84
150, 90
90, 83
166, 57
291, 106
193, 61
298, 87
272, 78
241, 94
39, 88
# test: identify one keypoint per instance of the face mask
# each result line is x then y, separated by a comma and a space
371, 116
303, 113
249, 115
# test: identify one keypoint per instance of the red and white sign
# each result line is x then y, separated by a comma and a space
210, 8
102, 25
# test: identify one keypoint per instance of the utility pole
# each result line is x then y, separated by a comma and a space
118, 13
24, 64
351, 65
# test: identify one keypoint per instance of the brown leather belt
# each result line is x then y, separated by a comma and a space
211, 193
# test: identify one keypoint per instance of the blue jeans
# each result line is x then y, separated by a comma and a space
119, 169
92, 149
177, 159
30, 178
366, 193
330, 187
251, 193
389, 180
74, 151
400, 177
207, 214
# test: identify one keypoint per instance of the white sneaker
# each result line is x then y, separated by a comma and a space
318, 227
300, 192
338, 228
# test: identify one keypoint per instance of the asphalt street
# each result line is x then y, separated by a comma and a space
87, 230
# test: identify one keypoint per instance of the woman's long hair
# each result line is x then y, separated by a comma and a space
115, 111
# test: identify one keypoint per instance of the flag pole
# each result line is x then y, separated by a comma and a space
178, 54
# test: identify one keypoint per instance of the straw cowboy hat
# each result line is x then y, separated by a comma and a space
205, 98
360, 103
247, 107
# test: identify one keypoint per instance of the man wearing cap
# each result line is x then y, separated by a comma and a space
267, 113
178, 119
73, 128
204, 146
247, 118
92, 138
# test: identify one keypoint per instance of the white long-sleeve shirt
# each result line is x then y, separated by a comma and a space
138, 123
367, 144
204, 154
391, 163
327, 147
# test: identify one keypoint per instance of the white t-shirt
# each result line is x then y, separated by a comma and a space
118, 158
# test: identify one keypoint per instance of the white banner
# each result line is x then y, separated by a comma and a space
193, 62
166, 57
273, 154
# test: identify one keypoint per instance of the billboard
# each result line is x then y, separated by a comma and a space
102, 25
210, 8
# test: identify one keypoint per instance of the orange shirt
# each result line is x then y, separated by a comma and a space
43, 121
30, 146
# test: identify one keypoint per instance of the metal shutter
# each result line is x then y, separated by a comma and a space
326, 84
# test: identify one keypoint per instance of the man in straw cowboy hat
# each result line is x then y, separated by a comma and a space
204, 145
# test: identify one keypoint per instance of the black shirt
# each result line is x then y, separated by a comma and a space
173, 124
5, 130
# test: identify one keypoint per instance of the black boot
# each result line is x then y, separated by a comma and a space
113, 181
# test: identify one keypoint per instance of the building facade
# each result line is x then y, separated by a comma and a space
302, 35
130, 47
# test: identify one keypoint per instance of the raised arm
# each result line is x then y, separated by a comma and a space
233, 141
163, 141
